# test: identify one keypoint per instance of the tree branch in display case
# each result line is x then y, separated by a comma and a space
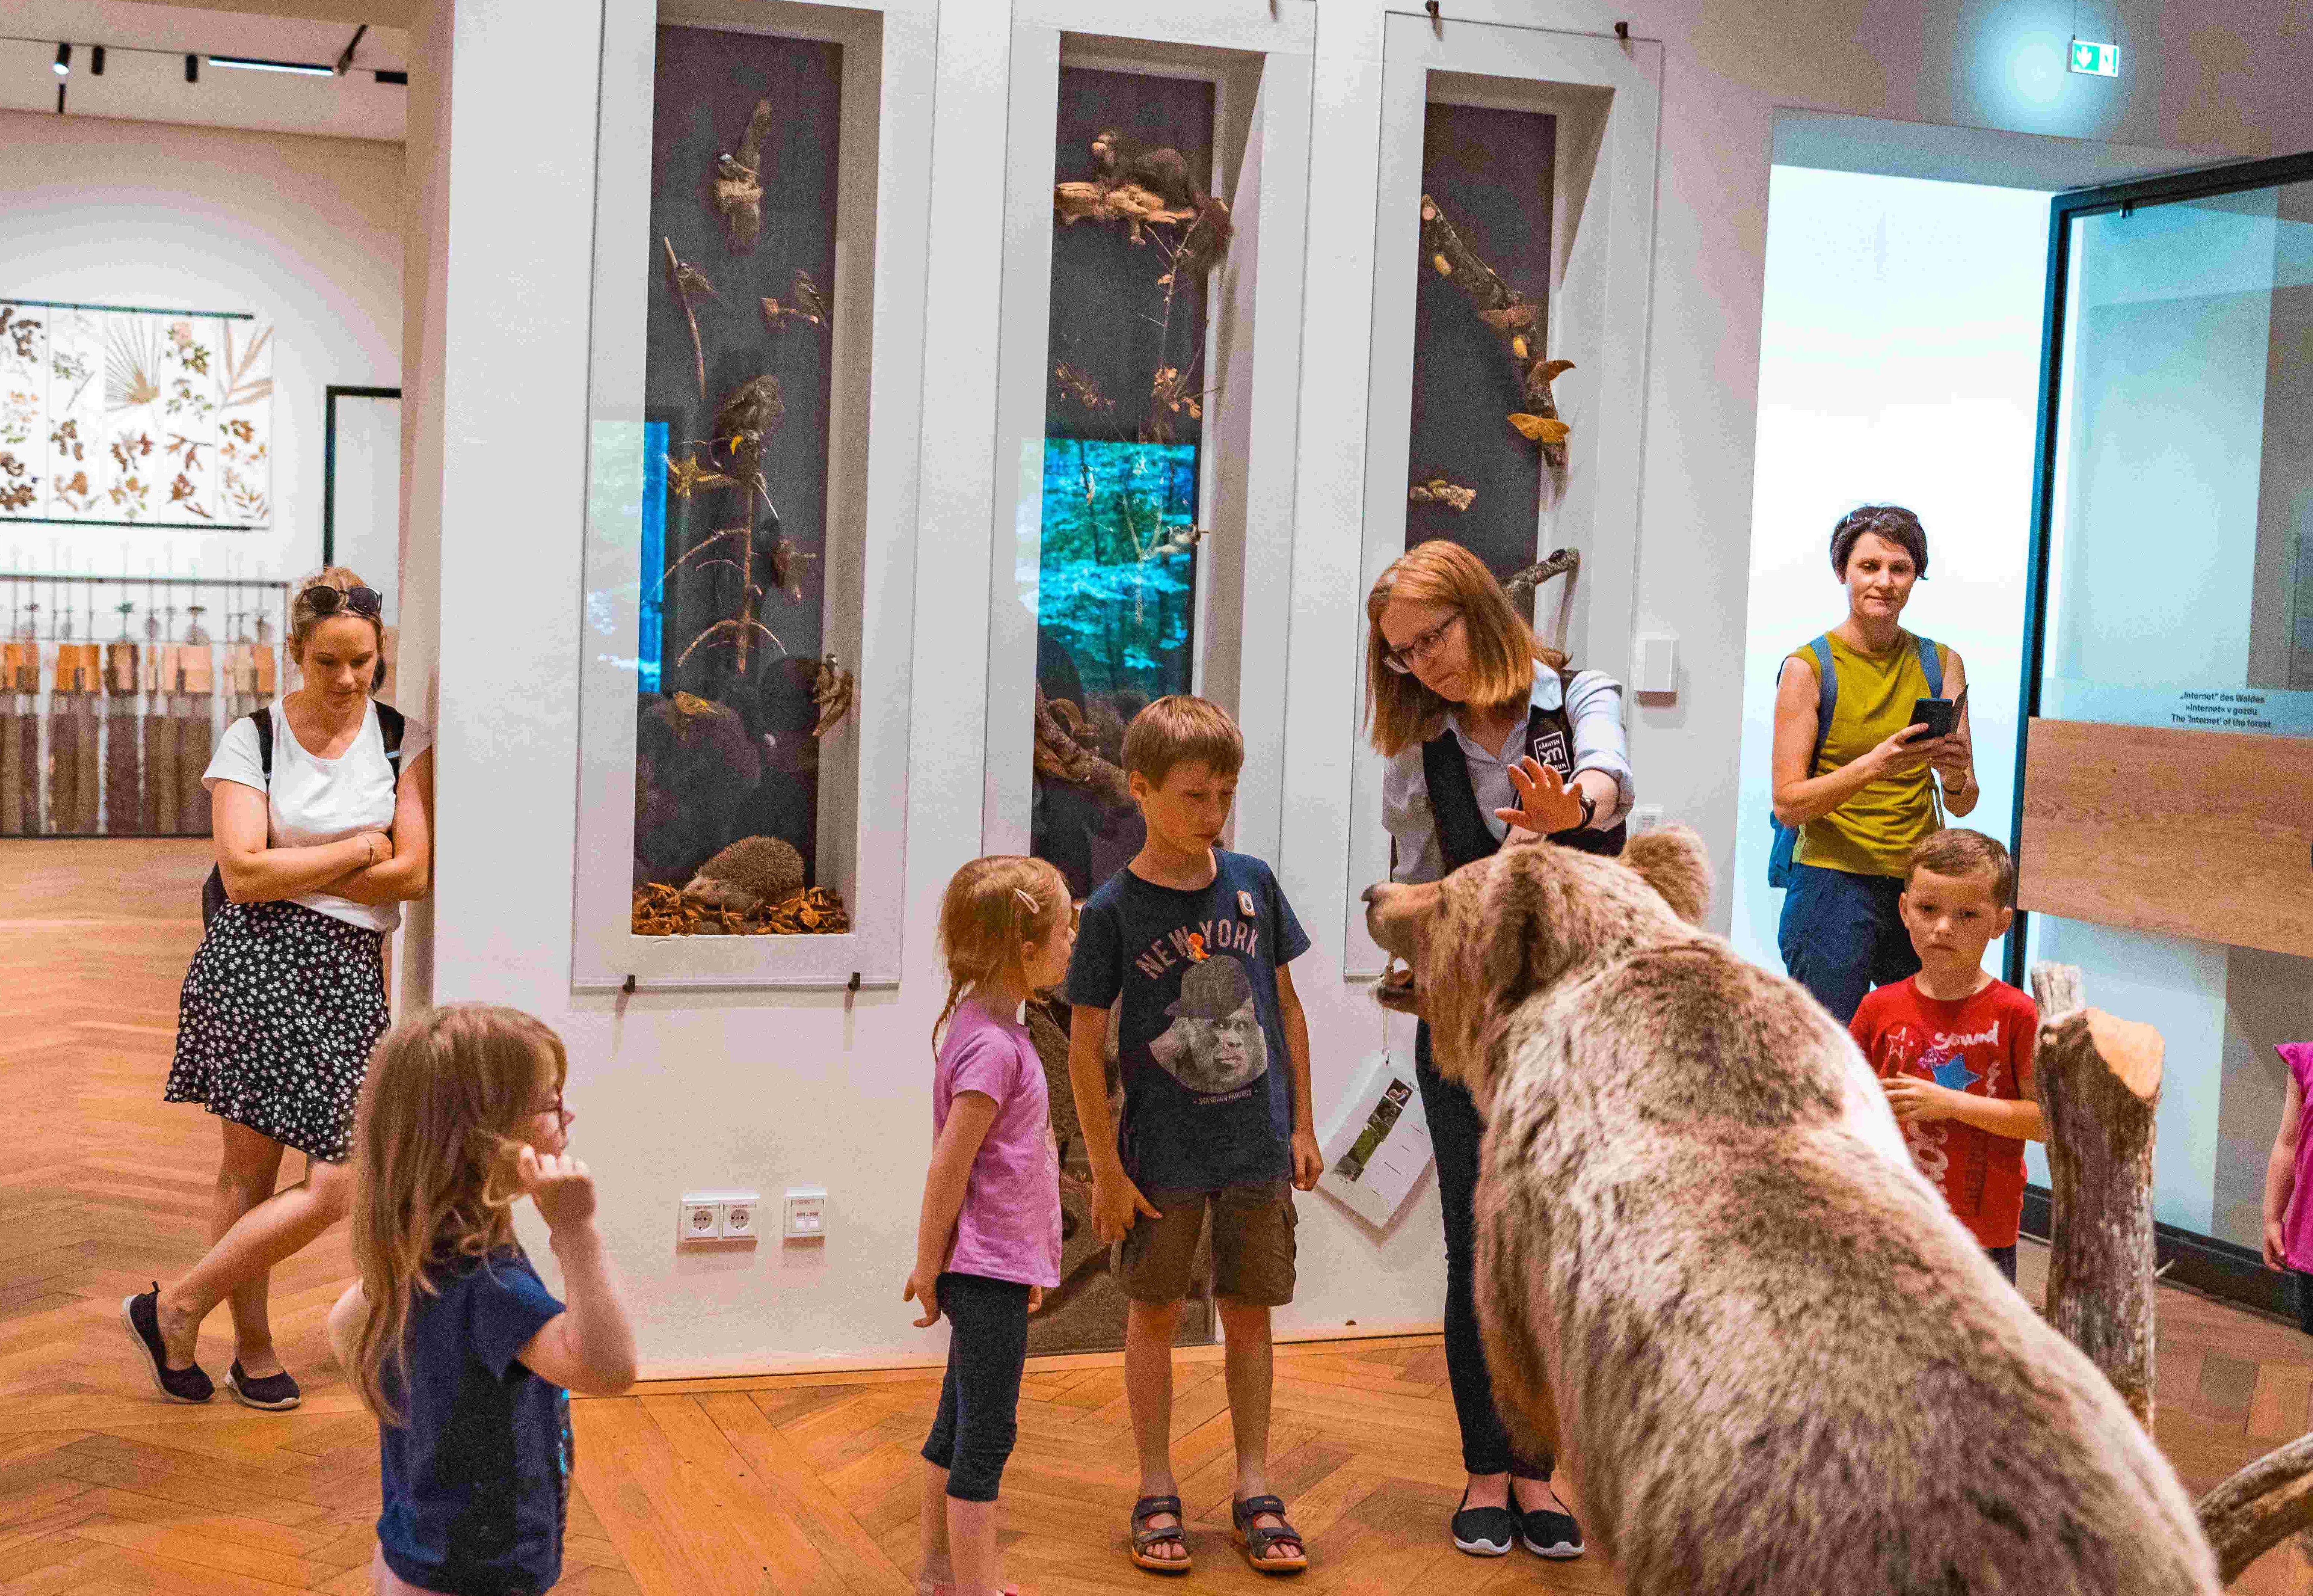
1513, 317
687, 280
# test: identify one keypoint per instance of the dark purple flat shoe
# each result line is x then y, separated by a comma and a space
276, 1393
140, 1315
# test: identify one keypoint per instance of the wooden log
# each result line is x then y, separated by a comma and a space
2099, 1083
2259, 1507
1514, 320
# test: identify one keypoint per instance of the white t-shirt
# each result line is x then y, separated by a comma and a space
315, 800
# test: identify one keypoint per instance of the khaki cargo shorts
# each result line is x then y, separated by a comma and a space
1252, 1245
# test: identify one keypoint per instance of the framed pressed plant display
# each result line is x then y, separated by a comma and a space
754, 368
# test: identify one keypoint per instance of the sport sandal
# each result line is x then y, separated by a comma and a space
140, 1316
1143, 1537
1255, 1542
1482, 1531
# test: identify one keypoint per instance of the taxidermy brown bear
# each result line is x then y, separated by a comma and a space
1711, 1279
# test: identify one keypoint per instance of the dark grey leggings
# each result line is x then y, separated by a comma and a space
980, 1399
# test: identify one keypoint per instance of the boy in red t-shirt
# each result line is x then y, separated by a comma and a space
1953, 1045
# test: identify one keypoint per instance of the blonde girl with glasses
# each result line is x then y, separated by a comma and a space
449, 1334
988, 1246
1490, 741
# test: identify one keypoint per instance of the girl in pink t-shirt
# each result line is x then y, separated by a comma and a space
2289, 1186
989, 1243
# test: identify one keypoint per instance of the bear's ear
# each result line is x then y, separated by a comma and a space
1671, 861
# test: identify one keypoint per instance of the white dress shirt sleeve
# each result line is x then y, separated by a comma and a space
1594, 705
1406, 812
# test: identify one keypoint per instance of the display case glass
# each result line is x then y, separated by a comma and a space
752, 493
1514, 237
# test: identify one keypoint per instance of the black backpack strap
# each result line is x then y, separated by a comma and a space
390, 725
262, 721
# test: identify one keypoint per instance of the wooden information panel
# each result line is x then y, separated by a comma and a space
2198, 834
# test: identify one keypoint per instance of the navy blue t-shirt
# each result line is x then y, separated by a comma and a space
1208, 1085
476, 1476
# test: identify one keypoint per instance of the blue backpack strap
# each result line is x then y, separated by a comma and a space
1931, 662
1826, 696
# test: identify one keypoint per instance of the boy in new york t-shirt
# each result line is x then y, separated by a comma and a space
1953, 1045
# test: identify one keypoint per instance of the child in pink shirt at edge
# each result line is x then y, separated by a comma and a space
988, 1242
2288, 1212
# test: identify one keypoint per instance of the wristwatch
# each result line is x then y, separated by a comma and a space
1589, 806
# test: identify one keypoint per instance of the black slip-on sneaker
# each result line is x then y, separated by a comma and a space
276, 1393
1549, 1533
140, 1316
1482, 1531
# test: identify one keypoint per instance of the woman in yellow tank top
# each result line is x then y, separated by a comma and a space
1872, 795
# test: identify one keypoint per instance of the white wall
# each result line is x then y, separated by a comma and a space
1886, 376
304, 230
765, 1089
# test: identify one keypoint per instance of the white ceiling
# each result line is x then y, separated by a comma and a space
144, 80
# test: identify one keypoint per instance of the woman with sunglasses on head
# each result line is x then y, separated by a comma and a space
323, 822
1491, 741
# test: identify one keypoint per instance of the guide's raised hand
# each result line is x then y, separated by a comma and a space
559, 1184
1546, 803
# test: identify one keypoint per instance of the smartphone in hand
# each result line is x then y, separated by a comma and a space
1938, 716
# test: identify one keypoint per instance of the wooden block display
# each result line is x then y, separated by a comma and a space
2198, 834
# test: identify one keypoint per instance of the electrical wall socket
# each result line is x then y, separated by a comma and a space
739, 1219
698, 1219
805, 1214
716, 1216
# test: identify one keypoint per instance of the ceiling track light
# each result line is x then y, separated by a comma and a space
257, 64
64, 60
96, 60
192, 69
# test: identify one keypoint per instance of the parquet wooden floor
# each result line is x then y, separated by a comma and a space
800, 1485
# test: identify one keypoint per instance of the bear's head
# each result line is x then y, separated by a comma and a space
1477, 945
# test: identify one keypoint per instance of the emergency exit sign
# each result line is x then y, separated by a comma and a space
2097, 60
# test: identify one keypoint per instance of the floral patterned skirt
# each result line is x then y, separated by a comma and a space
280, 1010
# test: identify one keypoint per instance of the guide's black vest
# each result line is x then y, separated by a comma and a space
1463, 833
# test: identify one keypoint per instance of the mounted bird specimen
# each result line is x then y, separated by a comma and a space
1511, 316
737, 188
806, 302
687, 279
832, 692
748, 417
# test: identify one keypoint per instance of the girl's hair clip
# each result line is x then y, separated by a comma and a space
1027, 898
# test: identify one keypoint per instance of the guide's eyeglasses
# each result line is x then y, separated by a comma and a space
322, 599
1420, 649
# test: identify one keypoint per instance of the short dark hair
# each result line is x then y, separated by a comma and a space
1956, 851
1891, 522
1178, 729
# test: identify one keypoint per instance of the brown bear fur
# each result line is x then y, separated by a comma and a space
1711, 1280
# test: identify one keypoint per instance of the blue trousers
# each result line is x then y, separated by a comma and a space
1841, 935
1455, 1130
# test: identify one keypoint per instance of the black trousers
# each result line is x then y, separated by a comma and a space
1455, 1132
980, 1399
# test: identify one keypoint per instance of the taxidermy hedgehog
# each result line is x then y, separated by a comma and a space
752, 872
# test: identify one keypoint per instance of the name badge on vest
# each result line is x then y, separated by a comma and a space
1550, 749
1245, 903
